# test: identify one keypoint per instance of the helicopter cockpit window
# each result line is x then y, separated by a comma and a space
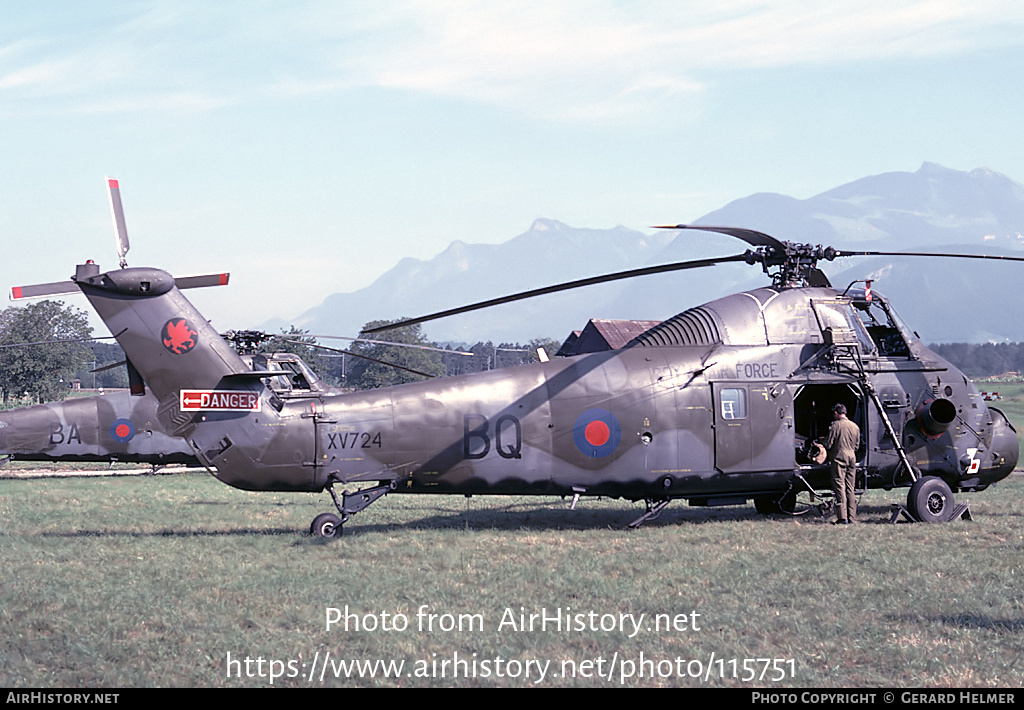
734, 403
279, 383
838, 316
884, 330
296, 378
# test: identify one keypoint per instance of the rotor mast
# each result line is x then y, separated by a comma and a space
795, 265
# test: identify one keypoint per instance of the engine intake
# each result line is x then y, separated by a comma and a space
935, 416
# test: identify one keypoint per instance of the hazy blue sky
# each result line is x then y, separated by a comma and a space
307, 146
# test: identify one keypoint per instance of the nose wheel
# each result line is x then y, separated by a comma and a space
930, 500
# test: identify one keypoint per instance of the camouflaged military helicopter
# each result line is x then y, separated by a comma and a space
719, 405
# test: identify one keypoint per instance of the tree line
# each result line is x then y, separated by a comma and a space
983, 359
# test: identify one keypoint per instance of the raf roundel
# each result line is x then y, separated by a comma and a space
597, 433
122, 430
178, 336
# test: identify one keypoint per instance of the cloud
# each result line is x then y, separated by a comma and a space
570, 59
563, 60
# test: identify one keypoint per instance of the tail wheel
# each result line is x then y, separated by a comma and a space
930, 500
326, 525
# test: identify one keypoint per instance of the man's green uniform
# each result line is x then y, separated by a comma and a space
842, 443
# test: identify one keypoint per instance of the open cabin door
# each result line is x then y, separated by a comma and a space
753, 426
813, 415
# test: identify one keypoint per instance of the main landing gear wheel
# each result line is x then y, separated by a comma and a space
930, 500
786, 504
326, 525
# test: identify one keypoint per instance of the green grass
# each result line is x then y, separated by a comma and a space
1011, 404
123, 582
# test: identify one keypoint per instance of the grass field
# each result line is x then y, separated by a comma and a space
1011, 404
176, 580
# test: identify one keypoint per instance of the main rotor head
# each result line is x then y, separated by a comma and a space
789, 264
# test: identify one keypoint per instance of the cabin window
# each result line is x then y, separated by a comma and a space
734, 403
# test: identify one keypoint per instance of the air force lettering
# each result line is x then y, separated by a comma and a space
597, 433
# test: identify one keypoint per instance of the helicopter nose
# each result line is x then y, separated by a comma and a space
1004, 446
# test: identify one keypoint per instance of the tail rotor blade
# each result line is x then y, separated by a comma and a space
202, 280
117, 212
57, 288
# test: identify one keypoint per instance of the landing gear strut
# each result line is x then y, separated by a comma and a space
329, 525
654, 508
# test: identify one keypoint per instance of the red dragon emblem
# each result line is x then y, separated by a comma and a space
179, 336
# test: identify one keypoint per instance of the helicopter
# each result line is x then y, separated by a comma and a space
719, 405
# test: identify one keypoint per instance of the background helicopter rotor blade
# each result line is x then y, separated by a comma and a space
363, 357
117, 213
386, 342
579, 283
65, 340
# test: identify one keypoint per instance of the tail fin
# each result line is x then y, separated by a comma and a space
161, 333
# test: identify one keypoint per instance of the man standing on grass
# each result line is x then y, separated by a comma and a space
842, 443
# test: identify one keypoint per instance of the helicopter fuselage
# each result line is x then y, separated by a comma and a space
726, 417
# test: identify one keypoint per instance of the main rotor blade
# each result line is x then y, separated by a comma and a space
579, 283
750, 236
929, 253
117, 213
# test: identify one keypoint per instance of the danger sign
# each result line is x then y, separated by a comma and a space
218, 401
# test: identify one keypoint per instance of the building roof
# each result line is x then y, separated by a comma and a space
602, 334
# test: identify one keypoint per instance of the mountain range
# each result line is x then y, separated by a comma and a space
932, 209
